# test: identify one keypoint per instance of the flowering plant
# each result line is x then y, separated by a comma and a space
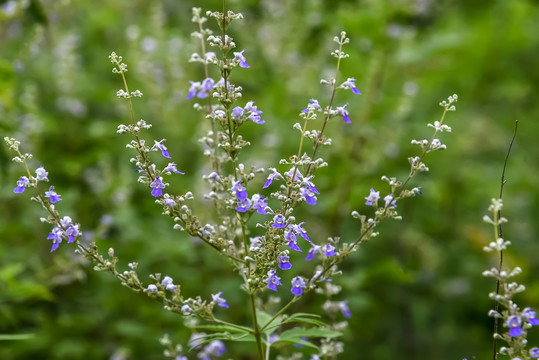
256, 226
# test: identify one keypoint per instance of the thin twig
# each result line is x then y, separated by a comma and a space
500, 232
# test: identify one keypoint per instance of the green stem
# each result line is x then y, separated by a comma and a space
257, 331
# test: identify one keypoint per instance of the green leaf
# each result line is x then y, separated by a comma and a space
298, 333
16, 336
263, 318
221, 328
306, 318
239, 337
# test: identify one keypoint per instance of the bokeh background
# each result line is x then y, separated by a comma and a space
415, 291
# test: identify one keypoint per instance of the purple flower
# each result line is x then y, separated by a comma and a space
207, 84
343, 306
243, 205
186, 309
56, 237
214, 348
534, 353
301, 231
313, 104
22, 183
195, 86
309, 184
278, 221
329, 250
291, 238
372, 199
168, 202
157, 185
168, 283
273, 280
314, 250
274, 175
171, 168
259, 203
239, 191
513, 323
159, 145
389, 200
341, 110
297, 285
284, 262
237, 113
41, 174
290, 172
254, 115
350, 83
71, 231
52, 195
219, 300
530, 315
238, 57
309, 197
151, 288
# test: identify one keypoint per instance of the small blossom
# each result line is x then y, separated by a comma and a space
159, 145
530, 315
513, 323
168, 283
274, 175
238, 57
259, 203
168, 202
254, 115
219, 300
309, 197
297, 285
151, 288
534, 353
237, 113
284, 262
243, 205
52, 195
193, 89
350, 83
372, 199
313, 104
22, 183
343, 306
214, 348
389, 200
278, 221
157, 185
56, 237
341, 110
301, 231
186, 309
208, 83
314, 250
42, 174
239, 191
329, 250
273, 280
171, 168
291, 238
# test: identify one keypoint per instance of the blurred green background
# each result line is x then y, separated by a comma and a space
415, 291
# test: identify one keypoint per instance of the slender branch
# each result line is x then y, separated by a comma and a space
500, 234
